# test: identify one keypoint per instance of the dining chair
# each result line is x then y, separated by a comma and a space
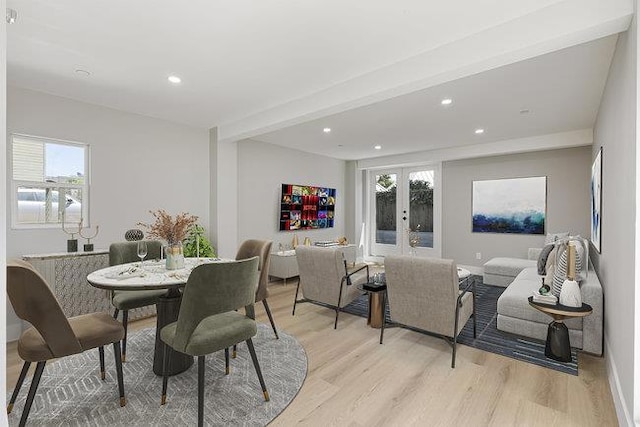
326, 279
208, 320
262, 249
424, 294
123, 253
53, 335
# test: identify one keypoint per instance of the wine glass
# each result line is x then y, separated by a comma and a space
142, 251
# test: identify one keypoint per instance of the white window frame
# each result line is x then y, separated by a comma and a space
15, 184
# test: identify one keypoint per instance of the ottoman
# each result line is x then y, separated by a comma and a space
502, 271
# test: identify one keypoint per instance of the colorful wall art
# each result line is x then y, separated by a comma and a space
515, 205
596, 200
304, 207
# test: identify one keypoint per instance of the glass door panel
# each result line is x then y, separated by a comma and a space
384, 212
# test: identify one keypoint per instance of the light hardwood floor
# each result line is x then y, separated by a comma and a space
352, 380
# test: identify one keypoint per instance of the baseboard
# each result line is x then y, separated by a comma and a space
624, 417
14, 331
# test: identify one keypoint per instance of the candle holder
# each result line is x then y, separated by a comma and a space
88, 247
72, 243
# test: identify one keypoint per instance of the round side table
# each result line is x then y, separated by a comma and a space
376, 293
558, 346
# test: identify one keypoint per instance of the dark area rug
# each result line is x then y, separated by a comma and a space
489, 337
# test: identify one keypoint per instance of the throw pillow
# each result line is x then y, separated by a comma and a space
542, 259
554, 237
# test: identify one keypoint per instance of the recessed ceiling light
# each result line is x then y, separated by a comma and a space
83, 73
378, 147
479, 131
446, 101
174, 79
326, 130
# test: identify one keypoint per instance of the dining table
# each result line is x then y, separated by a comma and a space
153, 275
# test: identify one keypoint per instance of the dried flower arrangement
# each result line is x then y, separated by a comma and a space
166, 228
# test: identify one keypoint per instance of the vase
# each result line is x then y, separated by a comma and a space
174, 256
570, 294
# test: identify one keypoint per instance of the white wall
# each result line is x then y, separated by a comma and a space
615, 132
262, 169
137, 164
568, 174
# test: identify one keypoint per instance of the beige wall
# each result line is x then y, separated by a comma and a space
568, 174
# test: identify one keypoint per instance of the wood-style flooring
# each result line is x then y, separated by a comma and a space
408, 381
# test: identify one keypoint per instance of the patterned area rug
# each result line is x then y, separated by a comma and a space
489, 337
72, 394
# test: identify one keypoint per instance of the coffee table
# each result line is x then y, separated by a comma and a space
557, 346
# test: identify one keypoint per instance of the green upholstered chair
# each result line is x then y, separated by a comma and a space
208, 320
424, 294
262, 249
53, 335
123, 253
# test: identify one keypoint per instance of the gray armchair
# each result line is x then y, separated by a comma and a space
326, 280
122, 253
423, 293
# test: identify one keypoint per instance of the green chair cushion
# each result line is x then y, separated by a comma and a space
214, 333
128, 300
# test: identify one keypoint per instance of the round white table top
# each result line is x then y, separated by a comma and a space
152, 275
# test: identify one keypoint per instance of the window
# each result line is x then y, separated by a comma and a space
49, 182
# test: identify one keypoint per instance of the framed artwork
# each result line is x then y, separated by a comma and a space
596, 199
304, 207
514, 205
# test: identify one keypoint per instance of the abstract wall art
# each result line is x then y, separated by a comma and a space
596, 199
513, 205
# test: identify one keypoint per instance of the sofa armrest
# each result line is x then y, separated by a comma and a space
592, 324
534, 253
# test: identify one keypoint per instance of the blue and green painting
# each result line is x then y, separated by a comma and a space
514, 205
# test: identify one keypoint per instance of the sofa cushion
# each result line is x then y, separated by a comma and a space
514, 300
507, 266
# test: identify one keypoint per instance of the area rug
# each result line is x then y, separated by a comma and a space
71, 392
489, 338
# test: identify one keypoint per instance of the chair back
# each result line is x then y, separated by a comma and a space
262, 249
125, 252
34, 302
422, 292
321, 271
215, 288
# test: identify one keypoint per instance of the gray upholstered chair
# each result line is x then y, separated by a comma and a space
208, 320
53, 335
262, 249
424, 293
122, 253
326, 280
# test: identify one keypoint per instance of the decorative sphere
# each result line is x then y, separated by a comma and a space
133, 235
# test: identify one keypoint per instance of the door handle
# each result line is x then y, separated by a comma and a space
404, 218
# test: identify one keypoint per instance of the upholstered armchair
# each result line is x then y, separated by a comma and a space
423, 293
123, 253
52, 335
326, 280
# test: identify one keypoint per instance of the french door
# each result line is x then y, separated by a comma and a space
405, 211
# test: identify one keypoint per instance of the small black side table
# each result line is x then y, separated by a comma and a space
377, 307
558, 346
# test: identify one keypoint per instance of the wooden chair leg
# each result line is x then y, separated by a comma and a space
165, 375
256, 365
16, 391
273, 324
125, 322
32, 392
200, 391
226, 361
101, 352
235, 351
116, 355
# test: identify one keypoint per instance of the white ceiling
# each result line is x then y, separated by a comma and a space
252, 66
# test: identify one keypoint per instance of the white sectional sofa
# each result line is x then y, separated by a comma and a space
516, 316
